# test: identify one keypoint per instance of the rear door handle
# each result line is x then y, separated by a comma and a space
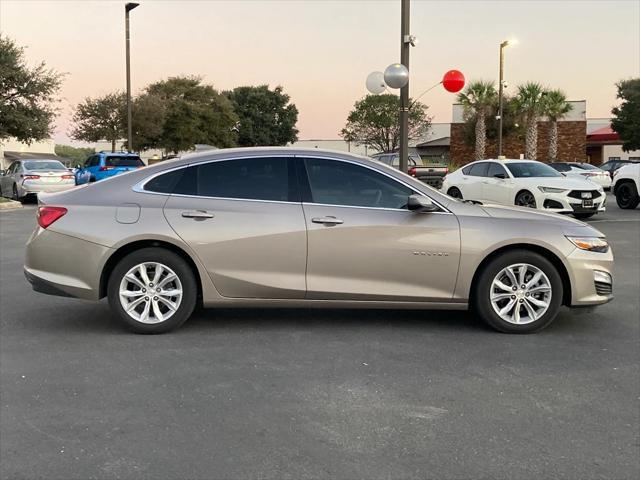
197, 214
327, 220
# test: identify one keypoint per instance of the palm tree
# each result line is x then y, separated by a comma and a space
555, 106
529, 102
478, 99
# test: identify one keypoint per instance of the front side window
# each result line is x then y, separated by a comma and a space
94, 161
531, 169
334, 182
496, 169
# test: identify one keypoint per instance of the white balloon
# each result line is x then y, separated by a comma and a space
396, 75
375, 83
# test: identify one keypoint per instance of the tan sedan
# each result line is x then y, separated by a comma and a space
280, 227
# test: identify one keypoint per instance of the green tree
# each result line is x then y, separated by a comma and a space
148, 117
626, 121
101, 118
192, 113
510, 124
27, 95
72, 154
374, 122
554, 107
530, 103
265, 116
478, 99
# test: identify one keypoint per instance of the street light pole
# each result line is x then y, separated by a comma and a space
127, 8
405, 45
500, 88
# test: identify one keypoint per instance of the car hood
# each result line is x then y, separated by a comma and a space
569, 182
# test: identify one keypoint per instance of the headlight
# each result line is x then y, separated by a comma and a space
551, 190
592, 244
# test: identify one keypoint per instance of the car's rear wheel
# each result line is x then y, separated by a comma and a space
525, 199
152, 290
627, 196
455, 193
518, 292
583, 216
15, 195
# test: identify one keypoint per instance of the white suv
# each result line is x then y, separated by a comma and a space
626, 185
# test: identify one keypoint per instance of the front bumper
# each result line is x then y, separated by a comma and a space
588, 273
563, 203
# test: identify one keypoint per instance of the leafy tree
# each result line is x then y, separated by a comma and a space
554, 107
626, 121
148, 116
73, 154
530, 103
510, 124
374, 122
266, 116
478, 99
26, 95
192, 113
101, 118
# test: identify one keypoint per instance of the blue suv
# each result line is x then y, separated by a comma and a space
107, 164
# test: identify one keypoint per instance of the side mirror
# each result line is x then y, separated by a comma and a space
418, 203
501, 176
2, 173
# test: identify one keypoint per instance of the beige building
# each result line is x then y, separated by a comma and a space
12, 149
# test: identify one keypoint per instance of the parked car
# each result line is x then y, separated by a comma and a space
284, 227
586, 170
107, 164
431, 174
525, 183
612, 165
30, 177
626, 185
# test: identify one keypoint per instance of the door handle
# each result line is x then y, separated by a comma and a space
198, 214
327, 220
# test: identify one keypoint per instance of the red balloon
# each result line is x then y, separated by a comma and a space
453, 81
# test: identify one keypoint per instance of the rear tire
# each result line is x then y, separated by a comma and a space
455, 193
161, 306
627, 196
537, 304
15, 195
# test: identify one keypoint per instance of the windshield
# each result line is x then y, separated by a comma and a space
531, 169
116, 161
44, 165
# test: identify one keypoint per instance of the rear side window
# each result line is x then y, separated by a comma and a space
166, 182
478, 169
119, 161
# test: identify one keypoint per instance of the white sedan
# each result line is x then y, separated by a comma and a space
525, 183
585, 170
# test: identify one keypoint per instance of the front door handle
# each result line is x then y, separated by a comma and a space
327, 220
198, 214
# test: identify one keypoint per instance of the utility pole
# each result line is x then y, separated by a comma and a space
405, 45
500, 87
127, 8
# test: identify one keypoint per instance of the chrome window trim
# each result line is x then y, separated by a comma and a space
139, 187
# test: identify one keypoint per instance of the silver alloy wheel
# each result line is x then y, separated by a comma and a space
150, 292
520, 293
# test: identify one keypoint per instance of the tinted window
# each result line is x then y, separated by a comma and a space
479, 169
166, 182
531, 169
466, 170
496, 169
251, 178
561, 167
44, 165
334, 182
119, 161
94, 161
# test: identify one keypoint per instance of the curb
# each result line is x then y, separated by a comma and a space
10, 205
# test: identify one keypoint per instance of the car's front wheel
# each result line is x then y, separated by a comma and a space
627, 196
455, 193
525, 199
152, 290
518, 291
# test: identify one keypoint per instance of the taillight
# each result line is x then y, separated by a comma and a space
105, 168
412, 171
30, 177
48, 215
446, 170
68, 177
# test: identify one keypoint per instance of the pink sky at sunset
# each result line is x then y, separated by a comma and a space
322, 51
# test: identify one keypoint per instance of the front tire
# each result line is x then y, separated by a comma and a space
518, 292
627, 196
455, 193
525, 199
152, 290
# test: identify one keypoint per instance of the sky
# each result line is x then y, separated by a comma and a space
321, 51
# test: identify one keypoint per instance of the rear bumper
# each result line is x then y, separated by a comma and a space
30, 189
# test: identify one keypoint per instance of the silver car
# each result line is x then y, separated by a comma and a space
282, 227
31, 177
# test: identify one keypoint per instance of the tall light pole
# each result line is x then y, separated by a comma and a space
405, 45
127, 8
503, 45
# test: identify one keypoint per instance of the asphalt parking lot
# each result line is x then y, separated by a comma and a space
318, 393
